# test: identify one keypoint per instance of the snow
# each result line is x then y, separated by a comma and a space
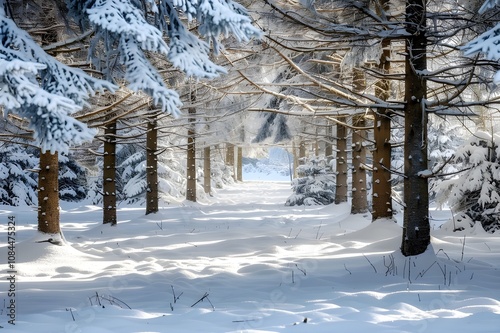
263, 267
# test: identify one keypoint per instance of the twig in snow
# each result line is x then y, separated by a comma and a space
421, 274
244, 321
302, 270
297, 235
350, 273
370, 263
160, 225
71, 311
463, 247
176, 297
98, 299
205, 296
319, 228
487, 246
441, 250
390, 266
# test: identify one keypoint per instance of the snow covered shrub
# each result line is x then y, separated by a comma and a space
18, 181
72, 179
476, 191
131, 183
315, 186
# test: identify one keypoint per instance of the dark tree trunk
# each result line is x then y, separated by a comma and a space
239, 164
230, 158
48, 194
328, 144
359, 198
207, 176
295, 159
191, 158
109, 175
382, 189
341, 163
416, 229
152, 168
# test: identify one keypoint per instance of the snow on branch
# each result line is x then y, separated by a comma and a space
49, 114
488, 42
222, 17
142, 76
487, 5
123, 18
183, 43
36, 86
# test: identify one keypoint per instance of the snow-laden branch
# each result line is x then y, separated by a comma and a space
124, 19
36, 86
49, 114
142, 76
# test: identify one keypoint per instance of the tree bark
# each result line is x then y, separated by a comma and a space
48, 194
341, 163
382, 189
416, 229
302, 155
328, 144
152, 167
109, 175
207, 176
239, 164
230, 158
191, 158
359, 199
295, 159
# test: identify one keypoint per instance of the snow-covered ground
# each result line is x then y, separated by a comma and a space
246, 263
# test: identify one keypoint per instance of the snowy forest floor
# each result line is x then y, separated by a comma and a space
245, 263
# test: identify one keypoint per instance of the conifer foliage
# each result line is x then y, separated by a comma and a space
38, 87
17, 183
131, 28
315, 186
476, 192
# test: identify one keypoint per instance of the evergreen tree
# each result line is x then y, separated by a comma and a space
476, 191
72, 179
41, 89
18, 179
315, 185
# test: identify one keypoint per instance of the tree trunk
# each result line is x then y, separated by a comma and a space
359, 198
191, 158
316, 145
230, 158
341, 164
239, 164
109, 175
207, 176
152, 168
328, 144
48, 194
416, 229
382, 189
295, 159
